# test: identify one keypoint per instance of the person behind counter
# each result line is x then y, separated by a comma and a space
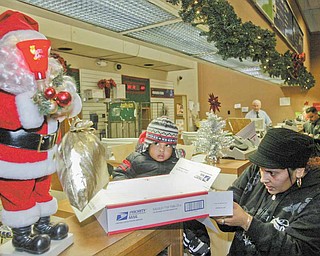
157, 155
312, 126
257, 112
276, 200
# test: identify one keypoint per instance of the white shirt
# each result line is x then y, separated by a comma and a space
262, 114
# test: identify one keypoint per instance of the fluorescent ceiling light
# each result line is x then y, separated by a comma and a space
148, 22
178, 36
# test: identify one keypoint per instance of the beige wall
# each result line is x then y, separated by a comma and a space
232, 87
90, 63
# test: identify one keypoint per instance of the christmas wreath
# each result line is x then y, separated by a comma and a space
106, 83
61, 61
235, 39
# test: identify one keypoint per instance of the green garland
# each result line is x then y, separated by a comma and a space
235, 39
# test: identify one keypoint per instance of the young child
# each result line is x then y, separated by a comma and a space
157, 154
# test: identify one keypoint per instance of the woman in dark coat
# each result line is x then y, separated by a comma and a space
276, 200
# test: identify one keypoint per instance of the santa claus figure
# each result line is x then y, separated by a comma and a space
34, 97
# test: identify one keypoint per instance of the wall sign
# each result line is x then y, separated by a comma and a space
162, 93
281, 16
267, 7
122, 111
297, 37
137, 89
287, 24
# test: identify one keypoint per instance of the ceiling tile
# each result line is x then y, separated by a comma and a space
178, 36
119, 16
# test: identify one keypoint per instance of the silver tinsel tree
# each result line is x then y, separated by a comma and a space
211, 137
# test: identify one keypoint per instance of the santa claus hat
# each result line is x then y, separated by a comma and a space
12, 20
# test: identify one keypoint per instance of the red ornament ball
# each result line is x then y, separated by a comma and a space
63, 99
49, 93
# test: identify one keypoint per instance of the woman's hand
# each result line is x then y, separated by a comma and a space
239, 218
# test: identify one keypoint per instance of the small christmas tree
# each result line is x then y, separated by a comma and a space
211, 137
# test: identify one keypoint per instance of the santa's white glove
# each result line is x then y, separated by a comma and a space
29, 114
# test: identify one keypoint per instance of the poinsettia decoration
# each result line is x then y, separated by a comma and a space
106, 83
214, 103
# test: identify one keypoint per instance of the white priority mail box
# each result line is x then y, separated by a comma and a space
151, 213
160, 200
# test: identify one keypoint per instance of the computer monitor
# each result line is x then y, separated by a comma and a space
188, 137
259, 124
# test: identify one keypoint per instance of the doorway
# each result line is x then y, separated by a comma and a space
181, 113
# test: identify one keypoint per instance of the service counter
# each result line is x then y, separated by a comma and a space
91, 239
231, 166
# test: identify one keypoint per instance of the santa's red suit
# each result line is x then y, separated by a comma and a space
24, 196
27, 137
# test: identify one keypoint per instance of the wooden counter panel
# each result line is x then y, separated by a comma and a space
148, 242
231, 166
91, 239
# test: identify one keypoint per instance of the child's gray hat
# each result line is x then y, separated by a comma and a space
162, 129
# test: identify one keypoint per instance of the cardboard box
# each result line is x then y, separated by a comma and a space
151, 213
182, 195
160, 200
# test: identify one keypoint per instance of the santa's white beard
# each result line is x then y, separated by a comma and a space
15, 76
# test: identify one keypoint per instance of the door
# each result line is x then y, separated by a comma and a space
181, 113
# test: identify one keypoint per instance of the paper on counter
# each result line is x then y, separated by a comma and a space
202, 175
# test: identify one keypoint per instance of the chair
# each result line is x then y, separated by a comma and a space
188, 137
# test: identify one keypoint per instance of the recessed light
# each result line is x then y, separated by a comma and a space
148, 65
65, 49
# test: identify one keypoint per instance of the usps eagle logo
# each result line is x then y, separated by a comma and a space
122, 216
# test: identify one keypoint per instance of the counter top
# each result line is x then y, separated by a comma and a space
91, 239
231, 166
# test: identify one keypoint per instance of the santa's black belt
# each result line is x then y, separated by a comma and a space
28, 140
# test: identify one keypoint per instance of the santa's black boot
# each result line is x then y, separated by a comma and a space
56, 231
23, 241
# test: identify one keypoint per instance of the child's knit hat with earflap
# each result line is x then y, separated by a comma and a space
162, 129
